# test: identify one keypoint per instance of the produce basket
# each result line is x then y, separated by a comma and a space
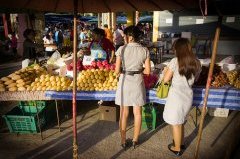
22, 120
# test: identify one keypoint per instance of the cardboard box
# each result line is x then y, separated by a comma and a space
109, 111
218, 112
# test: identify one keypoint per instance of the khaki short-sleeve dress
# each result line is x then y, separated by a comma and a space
180, 97
131, 89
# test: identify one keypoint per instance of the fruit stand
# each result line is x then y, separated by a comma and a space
99, 82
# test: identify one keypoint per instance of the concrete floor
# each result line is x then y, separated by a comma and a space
100, 139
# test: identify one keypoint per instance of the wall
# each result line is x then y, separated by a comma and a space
183, 22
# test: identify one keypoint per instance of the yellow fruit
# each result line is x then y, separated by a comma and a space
9, 82
20, 81
100, 85
42, 79
52, 78
12, 89
89, 81
39, 88
53, 83
34, 88
16, 77
20, 84
5, 79
59, 83
33, 84
48, 88
10, 85
21, 89
96, 76
42, 76
86, 85
98, 81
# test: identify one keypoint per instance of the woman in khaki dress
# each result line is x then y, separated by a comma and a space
131, 89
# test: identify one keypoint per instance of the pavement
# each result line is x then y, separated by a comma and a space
99, 139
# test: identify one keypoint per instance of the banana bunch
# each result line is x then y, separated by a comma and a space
232, 76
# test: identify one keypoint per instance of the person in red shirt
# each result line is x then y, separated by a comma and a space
100, 47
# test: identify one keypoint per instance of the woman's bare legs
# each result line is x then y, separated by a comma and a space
177, 136
137, 111
124, 111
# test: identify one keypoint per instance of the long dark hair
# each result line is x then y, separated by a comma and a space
187, 61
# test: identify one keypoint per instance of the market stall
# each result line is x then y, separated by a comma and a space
228, 97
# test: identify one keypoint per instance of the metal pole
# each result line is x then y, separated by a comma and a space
210, 73
75, 146
56, 104
38, 120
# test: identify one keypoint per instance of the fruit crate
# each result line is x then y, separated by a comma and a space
20, 121
151, 116
33, 103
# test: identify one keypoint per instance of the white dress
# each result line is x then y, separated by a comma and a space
180, 97
131, 89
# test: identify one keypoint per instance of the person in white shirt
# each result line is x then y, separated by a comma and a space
118, 37
50, 47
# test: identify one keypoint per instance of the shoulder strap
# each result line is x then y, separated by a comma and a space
123, 60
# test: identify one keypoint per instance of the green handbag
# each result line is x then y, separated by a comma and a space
162, 89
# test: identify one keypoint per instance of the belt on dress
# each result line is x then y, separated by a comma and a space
131, 72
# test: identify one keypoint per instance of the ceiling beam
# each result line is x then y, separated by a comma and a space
178, 3
154, 3
133, 6
107, 6
56, 5
27, 3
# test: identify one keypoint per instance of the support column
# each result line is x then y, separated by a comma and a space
156, 22
104, 19
114, 20
22, 26
130, 18
39, 27
5, 25
109, 21
137, 15
99, 20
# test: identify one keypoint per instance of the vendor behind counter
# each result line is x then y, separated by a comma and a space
100, 47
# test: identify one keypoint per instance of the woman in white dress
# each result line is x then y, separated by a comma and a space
130, 59
182, 71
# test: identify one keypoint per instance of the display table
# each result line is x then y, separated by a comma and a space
228, 97
23, 96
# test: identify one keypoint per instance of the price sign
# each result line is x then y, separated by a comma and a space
87, 60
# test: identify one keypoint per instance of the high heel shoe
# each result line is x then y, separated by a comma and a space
124, 146
134, 144
177, 153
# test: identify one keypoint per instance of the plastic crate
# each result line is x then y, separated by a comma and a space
32, 103
151, 116
31, 109
19, 121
